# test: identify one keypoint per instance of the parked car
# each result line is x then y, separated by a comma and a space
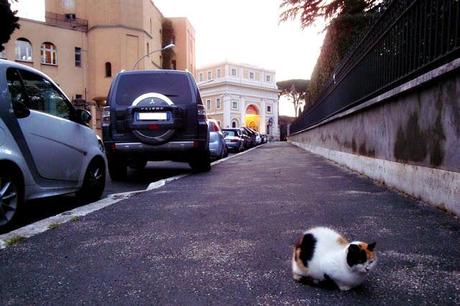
264, 138
252, 135
154, 115
46, 147
217, 146
234, 139
247, 138
258, 138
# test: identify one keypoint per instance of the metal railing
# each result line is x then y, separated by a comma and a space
68, 21
409, 39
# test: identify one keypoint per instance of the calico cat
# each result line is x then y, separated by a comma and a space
322, 254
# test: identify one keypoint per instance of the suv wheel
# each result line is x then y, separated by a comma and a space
11, 197
201, 164
118, 170
94, 182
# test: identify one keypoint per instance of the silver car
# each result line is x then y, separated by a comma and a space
46, 147
217, 146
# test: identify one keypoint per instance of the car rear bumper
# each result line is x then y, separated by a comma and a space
178, 146
173, 150
233, 145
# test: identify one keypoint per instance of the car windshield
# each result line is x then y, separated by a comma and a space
174, 86
230, 133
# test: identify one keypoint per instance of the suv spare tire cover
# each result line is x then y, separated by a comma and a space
153, 99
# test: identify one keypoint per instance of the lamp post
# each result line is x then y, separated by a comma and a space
159, 50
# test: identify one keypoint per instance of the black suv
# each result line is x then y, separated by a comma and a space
154, 115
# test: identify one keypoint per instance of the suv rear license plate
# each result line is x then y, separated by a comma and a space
152, 116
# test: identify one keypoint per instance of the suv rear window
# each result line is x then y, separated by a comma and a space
174, 86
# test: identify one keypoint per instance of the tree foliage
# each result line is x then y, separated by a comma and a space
311, 10
296, 90
341, 34
346, 21
8, 22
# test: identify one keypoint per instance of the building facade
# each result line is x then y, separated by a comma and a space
238, 95
83, 44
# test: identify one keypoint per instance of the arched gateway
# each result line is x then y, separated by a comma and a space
252, 117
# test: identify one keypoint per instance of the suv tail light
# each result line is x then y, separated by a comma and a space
201, 112
106, 116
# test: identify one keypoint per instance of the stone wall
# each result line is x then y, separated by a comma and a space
408, 138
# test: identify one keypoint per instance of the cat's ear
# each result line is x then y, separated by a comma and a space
371, 246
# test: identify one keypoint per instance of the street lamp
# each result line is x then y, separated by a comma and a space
159, 50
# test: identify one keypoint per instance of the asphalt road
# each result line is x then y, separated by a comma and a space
225, 238
137, 180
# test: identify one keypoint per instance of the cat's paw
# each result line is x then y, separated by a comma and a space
297, 277
344, 288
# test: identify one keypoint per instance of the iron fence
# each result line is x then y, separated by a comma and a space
410, 38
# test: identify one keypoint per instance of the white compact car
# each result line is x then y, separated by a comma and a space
46, 147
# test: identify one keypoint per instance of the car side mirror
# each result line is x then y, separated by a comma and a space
83, 116
20, 110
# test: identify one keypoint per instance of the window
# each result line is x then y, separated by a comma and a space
41, 94
218, 104
268, 78
23, 50
77, 57
218, 73
2, 54
201, 76
233, 71
251, 75
70, 17
148, 49
234, 123
269, 109
108, 70
131, 86
15, 88
48, 54
208, 104
234, 104
209, 75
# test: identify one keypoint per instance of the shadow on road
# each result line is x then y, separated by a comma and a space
36, 210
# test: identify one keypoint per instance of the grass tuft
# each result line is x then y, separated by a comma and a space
54, 225
14, 240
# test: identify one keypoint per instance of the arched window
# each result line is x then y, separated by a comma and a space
234, 123
23, 50
108, 70
48, 53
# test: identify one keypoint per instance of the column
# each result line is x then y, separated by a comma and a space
263, 124
226, 102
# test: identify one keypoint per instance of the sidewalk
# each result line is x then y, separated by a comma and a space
225, 237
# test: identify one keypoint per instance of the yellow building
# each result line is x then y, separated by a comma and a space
238, 95
83, 44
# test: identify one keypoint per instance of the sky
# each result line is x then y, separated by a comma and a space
241, 31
